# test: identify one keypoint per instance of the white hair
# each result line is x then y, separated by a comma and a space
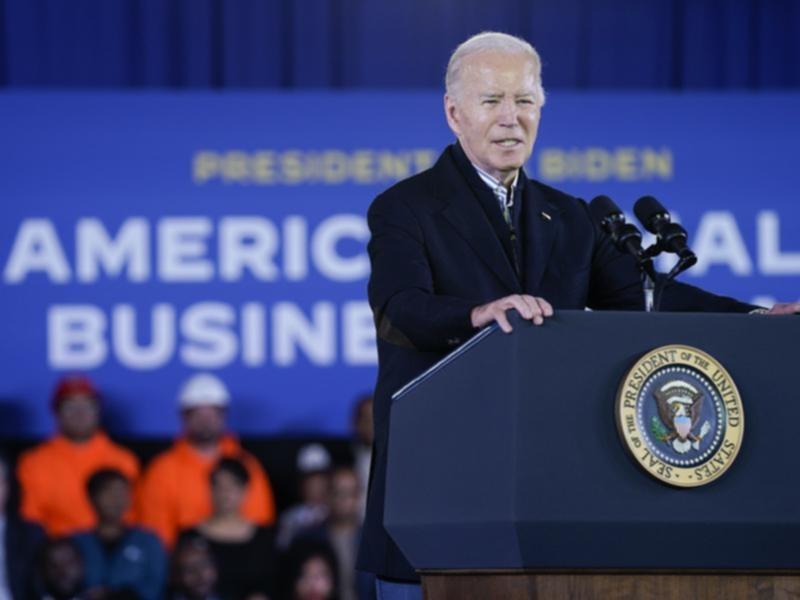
491, 41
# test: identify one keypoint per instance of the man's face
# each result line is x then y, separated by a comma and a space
315, 488
204, 424
344, 496
112, 501
494, 111
78, 417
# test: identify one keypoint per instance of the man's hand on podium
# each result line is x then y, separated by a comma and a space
785, 308
530, 308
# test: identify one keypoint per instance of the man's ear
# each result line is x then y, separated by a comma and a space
451, 112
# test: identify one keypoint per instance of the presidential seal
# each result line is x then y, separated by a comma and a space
680, 416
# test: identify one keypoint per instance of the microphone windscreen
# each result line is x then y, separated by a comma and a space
646, 208
601, 207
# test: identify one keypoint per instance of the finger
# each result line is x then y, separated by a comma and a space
785, 308
478, 316
547, 309
522, 307
536, 310
530, 301
502, 321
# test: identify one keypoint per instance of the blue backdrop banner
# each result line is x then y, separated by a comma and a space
148, 236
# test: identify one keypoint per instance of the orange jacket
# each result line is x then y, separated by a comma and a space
175, 492
53, 479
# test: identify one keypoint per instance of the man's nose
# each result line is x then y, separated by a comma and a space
509, 113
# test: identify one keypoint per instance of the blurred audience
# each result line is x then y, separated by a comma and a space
205, 487
175, 493
193, 573
243, 552
53, 474
20, 544
308, 572
342, 532
313, 468
119, 561
361, 446
60, 571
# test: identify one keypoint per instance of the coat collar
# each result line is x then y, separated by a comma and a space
458, 190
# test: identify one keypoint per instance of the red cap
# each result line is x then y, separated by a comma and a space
73, 385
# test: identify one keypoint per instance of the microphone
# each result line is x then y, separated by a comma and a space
625, 236
671, 236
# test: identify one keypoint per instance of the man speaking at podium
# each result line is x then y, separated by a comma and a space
455, 247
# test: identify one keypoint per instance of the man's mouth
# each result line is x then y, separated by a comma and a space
508, 142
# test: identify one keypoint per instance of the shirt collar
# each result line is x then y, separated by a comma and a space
495, 184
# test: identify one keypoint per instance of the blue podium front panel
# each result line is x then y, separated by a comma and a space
508, 456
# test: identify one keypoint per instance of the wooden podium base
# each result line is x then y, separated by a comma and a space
609, 586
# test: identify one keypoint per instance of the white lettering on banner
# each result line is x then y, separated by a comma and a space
254, 325
295, 253
210, 341
76, 337
270, 251
291, 330
718, 241
770, 259
323, 248
210, 335
247, 242
95, 249
162, 342
182, 249
359, 344
36, 248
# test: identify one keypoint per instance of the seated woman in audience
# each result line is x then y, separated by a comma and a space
120, 561
308, 571
243, 552
193, 573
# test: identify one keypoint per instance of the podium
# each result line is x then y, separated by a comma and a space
507, 477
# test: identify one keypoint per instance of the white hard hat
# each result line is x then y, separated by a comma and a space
312, 458
203, 389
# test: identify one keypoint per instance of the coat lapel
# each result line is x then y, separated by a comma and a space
540, 222
463, 211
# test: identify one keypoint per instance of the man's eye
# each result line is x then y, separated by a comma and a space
524, 101
490, 101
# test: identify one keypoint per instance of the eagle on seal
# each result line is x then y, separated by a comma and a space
679, 407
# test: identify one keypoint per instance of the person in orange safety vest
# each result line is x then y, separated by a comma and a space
175, 492
53, 474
